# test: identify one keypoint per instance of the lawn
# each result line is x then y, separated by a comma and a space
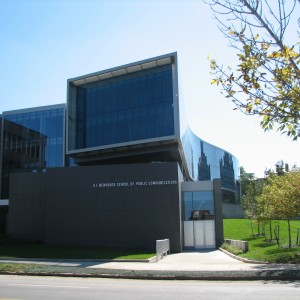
261, 248
13, 249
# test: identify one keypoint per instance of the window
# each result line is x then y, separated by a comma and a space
202, 201
127, 108
37, 138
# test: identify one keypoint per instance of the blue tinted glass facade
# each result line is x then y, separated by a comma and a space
33, 140
208, 162
120, 107
48, 124
124, 109
195, 201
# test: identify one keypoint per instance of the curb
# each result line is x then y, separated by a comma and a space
175, 275
149, 260
260, 273
245, 260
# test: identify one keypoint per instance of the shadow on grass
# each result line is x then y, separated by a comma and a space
263, 244
280, 250
274, 254
285, 255
253, 238
18, 249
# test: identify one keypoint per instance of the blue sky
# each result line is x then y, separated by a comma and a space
45, 42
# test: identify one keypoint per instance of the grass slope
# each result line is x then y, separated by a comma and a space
261, 248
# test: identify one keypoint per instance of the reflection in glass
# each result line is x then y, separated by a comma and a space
123, 109
208, 162
198, 205
32, 142
227, 171
203, 166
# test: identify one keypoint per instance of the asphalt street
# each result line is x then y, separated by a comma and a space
28, 287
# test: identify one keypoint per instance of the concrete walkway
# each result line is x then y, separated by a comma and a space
185, 265
214, 260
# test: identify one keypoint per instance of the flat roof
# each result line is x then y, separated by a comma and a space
125, 69
34, 109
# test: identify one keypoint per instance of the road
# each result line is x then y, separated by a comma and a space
26, 287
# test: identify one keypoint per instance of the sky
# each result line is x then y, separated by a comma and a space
46, 42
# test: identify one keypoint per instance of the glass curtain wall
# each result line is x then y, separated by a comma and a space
198, 205
32, 142
208, 162
126, 108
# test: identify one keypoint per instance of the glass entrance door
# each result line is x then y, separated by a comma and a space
199, 220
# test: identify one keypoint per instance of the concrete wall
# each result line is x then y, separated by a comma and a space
243, 245
218, 212
111, 206
231, 211
26, 214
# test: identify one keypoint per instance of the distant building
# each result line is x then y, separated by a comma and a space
138, 172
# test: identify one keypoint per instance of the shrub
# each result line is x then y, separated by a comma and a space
232, 249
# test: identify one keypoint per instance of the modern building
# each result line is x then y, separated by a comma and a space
33, 140
138, 172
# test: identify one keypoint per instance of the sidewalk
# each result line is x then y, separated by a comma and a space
186, 265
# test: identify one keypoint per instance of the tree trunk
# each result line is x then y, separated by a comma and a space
289, 230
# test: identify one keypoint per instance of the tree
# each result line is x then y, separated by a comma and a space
280, 198
250, 198
251, 190
266, 80
280, 169
245, 179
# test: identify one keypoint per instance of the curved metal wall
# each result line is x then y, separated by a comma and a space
208, 162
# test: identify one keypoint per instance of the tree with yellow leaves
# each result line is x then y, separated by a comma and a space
280, 198
266, 80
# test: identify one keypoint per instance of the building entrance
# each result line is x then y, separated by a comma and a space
199, 234
199, 215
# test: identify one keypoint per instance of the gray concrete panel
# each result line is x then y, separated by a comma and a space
111, 206
218, 212
26, 218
